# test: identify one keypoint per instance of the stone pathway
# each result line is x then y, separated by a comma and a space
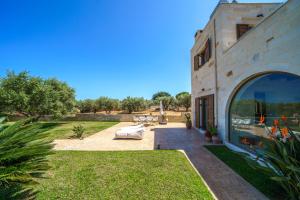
223, 182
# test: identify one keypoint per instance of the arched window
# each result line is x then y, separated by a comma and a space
269, 96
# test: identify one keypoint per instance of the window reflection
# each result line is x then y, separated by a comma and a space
267, 97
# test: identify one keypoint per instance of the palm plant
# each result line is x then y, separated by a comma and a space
23, 158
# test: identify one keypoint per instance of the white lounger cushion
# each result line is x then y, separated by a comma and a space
131, 132
132, 127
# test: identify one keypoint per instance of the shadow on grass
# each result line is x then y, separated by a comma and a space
46, 126
17, 192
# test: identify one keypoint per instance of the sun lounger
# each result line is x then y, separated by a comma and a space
131, 132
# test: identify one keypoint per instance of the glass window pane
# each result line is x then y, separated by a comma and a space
266, 97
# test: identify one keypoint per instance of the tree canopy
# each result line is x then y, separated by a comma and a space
180, 94
167, 101
134, 104
34, 96
87, 106
160, 94
184, 100
107, 104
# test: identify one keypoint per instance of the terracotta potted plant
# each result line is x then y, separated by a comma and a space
214, 134
188, 121
207, 136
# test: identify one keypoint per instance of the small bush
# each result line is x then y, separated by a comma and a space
78, 131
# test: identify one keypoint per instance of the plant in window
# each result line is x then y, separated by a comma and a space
280, 157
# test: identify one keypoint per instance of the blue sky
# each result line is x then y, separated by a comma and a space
112, 48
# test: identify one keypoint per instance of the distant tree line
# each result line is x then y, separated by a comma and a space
34, 96
135, 104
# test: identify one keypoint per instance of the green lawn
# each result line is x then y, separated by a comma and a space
62, 130
258, 179
122, 175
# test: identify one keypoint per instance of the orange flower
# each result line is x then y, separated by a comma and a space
276, 122
283, 118
261, 119
273, 130
284, 132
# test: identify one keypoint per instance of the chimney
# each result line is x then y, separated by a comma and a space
223, 1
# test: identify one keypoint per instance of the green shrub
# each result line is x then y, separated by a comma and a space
23, 158
78, 131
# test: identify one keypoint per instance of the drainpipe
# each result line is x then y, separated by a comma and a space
216, 73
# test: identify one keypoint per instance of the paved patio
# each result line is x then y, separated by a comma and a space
224, 182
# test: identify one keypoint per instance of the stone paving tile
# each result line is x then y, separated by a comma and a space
223, 181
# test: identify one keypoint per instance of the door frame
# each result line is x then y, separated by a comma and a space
206, 118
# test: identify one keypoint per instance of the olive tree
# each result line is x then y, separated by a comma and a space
184, 100
160, 94
34, 96
107, 104
134, 104
167, 101
87, 106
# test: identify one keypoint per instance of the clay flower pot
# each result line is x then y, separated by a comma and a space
215, 139
188, 125
207, 136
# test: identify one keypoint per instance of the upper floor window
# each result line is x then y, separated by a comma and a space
204, 56
241, 29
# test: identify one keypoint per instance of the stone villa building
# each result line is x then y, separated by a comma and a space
246, 68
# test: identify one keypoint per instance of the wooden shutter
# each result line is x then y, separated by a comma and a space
210, 111
206, 53
241, 29
209, 48
197, 113
196, 62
